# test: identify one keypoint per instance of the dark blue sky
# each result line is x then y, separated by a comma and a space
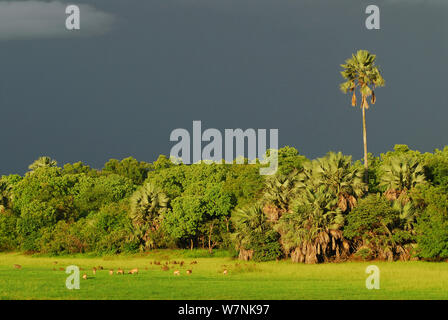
230, 63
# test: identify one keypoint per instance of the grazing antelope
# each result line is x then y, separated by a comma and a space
174, 262
120, 271
177, 273
224, 272
194, 262
17, 266
61, 269
165, 268
189, 271
157, 263
133, 271
84, 276
94, 270
111, 272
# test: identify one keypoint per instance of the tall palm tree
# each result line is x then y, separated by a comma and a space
362, 74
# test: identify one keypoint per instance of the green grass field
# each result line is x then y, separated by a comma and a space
270, 280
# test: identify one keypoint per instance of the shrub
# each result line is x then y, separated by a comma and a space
376, 226
432, 225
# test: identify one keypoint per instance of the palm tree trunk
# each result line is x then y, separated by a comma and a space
364, 134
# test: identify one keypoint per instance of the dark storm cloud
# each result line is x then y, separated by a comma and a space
231, 64
39, 19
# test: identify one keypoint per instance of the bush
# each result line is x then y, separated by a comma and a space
375, 228
8, 235
432, 225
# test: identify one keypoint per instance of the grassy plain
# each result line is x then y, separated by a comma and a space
41, 278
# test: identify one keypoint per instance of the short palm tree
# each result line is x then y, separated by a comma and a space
336, 173
279, 190
401, 174
362, 74
407, 214
311, 232
147, 205
250, 222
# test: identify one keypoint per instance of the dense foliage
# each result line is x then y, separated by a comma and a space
310, 211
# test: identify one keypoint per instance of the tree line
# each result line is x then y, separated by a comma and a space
310, 211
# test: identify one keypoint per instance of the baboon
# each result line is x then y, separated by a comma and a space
17, 266
120, 271
189, 271
111, 271
84, 276
177, 273
165, 268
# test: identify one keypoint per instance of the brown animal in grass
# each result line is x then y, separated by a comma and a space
189, 271
177, 273
165, 268
17, 266
194, 262
100, 268
181, 263
111, 272
157, 263
133, 271
120, 271
61, 269
225, 272
82, 269
84, 276
174, 262
94, 270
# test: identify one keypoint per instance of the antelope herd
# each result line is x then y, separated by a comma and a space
164, 267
